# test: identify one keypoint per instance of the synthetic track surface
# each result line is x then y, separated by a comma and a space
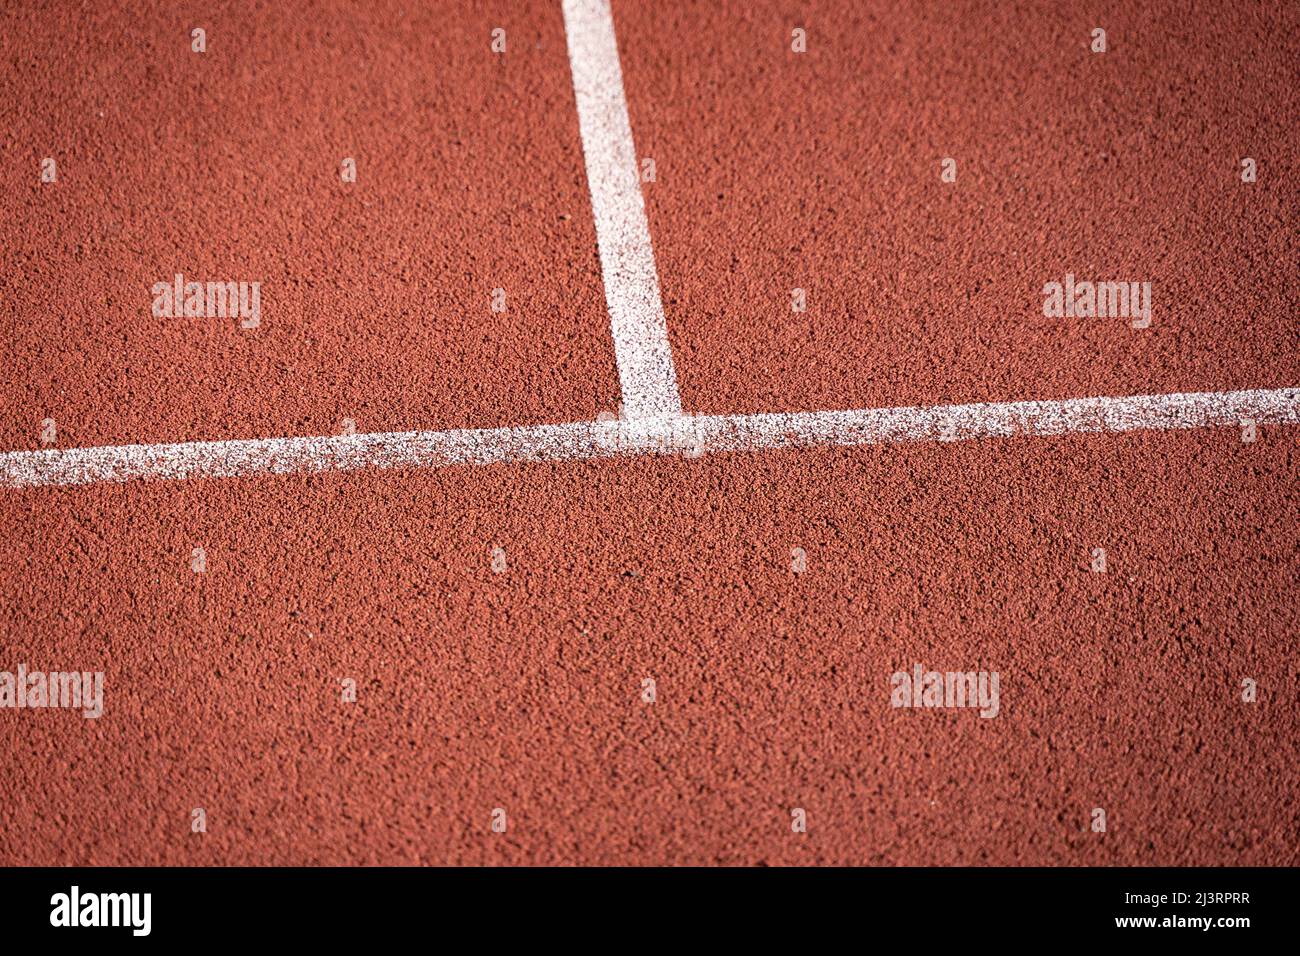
522, 689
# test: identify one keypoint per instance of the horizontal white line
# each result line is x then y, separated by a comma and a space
689, 434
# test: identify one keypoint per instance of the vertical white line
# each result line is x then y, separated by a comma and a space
627, 262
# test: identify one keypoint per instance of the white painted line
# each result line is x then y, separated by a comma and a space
627, 262
711, 433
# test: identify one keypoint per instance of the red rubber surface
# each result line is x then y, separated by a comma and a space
225, 165
522, 690
820, 171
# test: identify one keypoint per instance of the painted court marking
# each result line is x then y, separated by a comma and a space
627, 261
653, 422
682, 435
